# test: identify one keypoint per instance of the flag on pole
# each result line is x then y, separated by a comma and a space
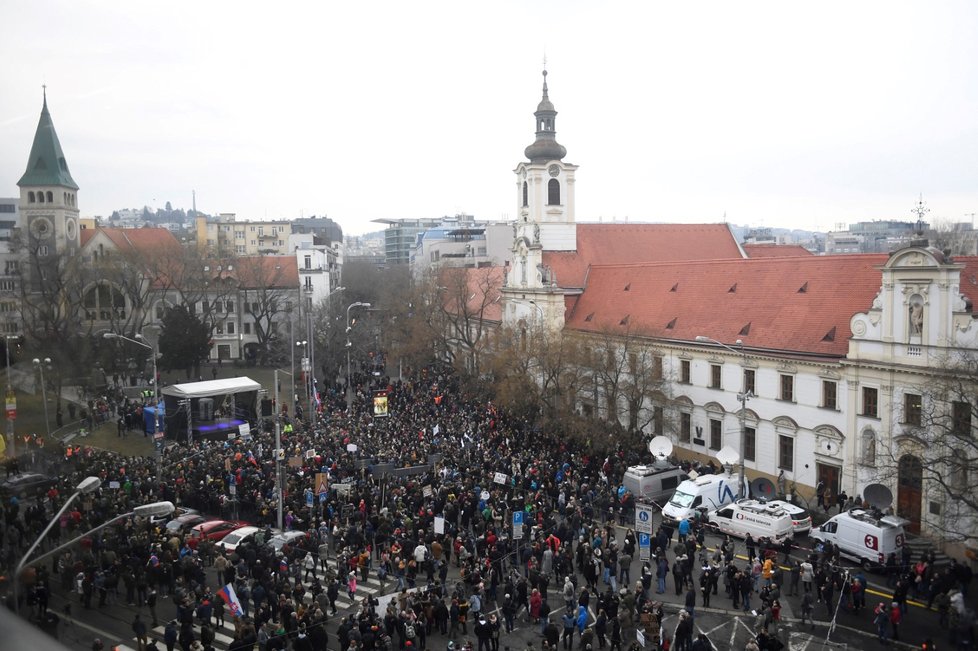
231, 599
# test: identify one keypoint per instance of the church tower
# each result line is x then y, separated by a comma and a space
48, 195
545, 222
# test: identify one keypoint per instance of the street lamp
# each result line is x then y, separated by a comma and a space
11, 437
87, 485
44, 391
349, 383
156, 384
743, 396
154, 509
304, 345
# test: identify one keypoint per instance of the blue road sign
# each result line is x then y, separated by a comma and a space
643, 516
644, 540
518, 518
308, 497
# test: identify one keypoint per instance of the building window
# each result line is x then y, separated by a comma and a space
307, 262
230, 327
247, 328
43, 250
657, 420
870, 402
8, 285
30, 197
750, 444
240, 248
716, 434
685, 427
961, 418
656, 367
749, 381
786, 453
715, 376
829, 394
684, 373
912, 409
526, 195
219, 328
553, 192
788, 388
230, 306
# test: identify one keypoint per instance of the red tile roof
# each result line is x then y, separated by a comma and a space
481, 287
793, 304
775, 250
622, 243
266, 271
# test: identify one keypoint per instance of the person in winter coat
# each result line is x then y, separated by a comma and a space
881, 619
351, 585
896, 616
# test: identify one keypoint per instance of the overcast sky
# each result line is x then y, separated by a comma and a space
784, 114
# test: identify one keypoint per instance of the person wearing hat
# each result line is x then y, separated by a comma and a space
881, 619
170, 634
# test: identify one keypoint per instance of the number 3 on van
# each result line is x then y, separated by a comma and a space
872, 542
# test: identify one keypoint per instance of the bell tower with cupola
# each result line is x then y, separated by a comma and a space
545, 222
48, 195
545, 185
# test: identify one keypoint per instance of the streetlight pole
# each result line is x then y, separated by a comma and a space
156, 384
278, 446
44, 391
87, 485
304, 345
11, 437
349, 379
743, 396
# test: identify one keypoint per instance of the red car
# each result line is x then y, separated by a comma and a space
212, 530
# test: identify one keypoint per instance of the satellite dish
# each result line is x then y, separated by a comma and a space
879, 496
727, 456
763, 488
660, 447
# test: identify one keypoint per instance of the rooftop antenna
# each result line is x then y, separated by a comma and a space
920, 210
972, 215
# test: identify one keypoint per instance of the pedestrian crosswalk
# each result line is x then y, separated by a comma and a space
224, 634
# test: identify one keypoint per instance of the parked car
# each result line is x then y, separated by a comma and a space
184, 523
278, 541
28, 483
214, 530
237, 537
180, 510
801, 519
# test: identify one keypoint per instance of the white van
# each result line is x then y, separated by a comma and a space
653, 484
759, 519
866, 536
706, 491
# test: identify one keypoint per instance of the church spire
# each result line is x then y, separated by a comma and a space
545, 147
46, 164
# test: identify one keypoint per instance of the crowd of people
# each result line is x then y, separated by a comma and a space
438, 540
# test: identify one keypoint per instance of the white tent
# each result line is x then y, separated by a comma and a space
211, 388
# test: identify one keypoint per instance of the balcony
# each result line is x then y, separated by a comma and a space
311, 270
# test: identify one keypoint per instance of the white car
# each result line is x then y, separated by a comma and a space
801, 519
278, 541
231, 541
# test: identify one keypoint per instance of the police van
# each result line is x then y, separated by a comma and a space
865, 535
759, 519
653, 484
706, 492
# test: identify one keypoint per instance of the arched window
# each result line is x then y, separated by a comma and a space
104, 302
64, 197
526, 199
50, 197
553, 192
40, 197
30, 197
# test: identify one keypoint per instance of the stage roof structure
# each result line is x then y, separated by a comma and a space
211, 388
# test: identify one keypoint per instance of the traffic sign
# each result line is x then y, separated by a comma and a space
11, 405
308, 497
643, 517
517, 525
644, 546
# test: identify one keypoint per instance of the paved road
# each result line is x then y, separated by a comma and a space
726, 628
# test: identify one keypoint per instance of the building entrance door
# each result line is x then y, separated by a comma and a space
829, 475
910, 479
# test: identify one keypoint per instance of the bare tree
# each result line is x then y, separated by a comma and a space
268, 287
938, 451
467, 297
